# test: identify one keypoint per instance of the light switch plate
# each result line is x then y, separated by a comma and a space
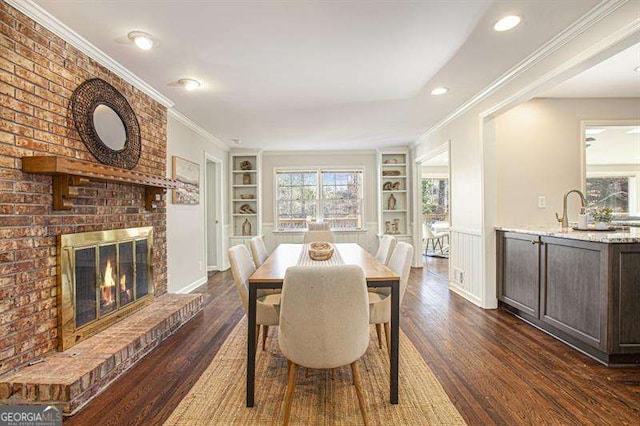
542, 202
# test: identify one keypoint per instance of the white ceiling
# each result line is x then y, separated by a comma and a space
318, 74
612, 78
614, 146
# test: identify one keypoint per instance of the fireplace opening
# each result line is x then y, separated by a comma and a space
104, 277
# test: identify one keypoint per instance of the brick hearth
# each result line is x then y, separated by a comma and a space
73, 377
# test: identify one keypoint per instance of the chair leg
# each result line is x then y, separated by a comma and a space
387, 334
355, 371
291, 384
379, 333
265, 331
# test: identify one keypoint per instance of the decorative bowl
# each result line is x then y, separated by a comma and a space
247, 196
320, 250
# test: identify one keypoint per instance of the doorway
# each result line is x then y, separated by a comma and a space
434, 204
213, 213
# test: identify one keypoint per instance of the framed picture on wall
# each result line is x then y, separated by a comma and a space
187, 174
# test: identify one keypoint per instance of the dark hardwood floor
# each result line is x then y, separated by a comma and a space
495, 368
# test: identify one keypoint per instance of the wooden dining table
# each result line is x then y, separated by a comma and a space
270, 275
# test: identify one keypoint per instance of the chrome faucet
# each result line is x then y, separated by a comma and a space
564, 219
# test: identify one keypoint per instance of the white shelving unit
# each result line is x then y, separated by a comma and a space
245, 194
394, 200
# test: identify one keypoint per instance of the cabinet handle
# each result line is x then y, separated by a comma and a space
536, 242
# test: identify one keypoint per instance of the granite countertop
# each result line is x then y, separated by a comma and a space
623, 235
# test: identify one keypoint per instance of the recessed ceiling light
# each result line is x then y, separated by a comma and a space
439, 91
594, 131
506, 23
143, 40
189, 83
635, 130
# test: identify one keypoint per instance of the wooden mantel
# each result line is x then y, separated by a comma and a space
69, 173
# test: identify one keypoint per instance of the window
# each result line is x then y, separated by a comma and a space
333, 196
435, 199
611, 191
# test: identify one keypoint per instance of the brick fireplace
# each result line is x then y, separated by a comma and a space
38, 73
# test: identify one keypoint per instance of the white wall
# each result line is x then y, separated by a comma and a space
539, 154
186, 223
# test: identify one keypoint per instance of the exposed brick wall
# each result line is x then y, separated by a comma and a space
38, 73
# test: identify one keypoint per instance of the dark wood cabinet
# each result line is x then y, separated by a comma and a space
518, 272
584, 293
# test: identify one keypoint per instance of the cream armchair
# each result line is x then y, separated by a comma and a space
268, 305
380, 302
311, 236
324, 322
387, 244
258, 250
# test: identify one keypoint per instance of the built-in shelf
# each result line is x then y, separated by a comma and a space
70, 173
394, 204
245, 182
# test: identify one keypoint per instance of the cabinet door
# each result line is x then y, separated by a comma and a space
574, 278
518, 271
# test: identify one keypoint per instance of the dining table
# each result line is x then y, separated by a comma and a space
270, 275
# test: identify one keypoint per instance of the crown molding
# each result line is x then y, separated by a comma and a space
585, 59
196, 128
319, 152
570, 33
51, 23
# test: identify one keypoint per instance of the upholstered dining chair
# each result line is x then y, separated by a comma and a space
385, 249
318, 226
258, 250
311, 236
268, 305
323, 322
380, 302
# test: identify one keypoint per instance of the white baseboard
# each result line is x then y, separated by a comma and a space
189, 288
464, 293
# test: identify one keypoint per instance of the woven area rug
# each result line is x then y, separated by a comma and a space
218, 398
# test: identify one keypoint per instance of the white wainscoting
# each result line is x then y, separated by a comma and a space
465, 256
367, 239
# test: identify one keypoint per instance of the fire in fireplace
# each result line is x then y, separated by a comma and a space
104, 277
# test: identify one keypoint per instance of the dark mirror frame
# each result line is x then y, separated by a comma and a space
84, 101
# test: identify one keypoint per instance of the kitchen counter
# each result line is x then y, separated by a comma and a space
619, 236
582, 287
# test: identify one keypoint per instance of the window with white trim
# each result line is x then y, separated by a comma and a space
329, 195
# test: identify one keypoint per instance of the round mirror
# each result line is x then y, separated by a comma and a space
109, 127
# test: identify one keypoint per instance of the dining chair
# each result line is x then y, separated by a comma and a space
258, 250
385, 249
318, 226
326, 236
323, 322
268, 305
380, 301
